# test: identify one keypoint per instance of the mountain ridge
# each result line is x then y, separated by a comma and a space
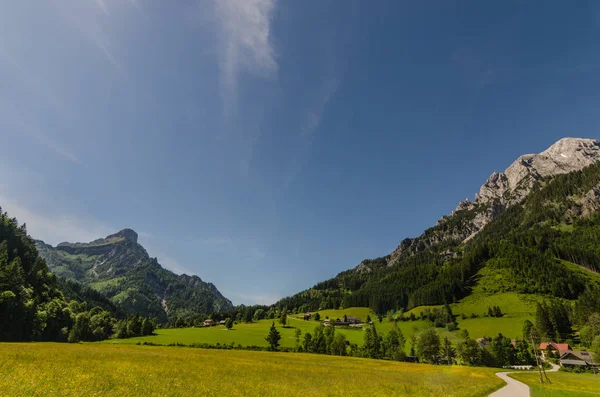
120, 268
503, 189
546, 220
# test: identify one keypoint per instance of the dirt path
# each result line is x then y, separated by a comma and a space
513, 387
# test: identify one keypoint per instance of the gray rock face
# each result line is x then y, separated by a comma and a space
590, 202
512, 185
503, 189
125, 233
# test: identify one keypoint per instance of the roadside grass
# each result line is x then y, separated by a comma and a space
564, 384
53, 369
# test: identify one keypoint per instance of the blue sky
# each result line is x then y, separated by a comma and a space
266, 145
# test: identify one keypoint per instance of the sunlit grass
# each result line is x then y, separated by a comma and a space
51, 369
563, 384
516, 309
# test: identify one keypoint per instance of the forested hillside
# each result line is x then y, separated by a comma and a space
33, 306
118, 269
548, 244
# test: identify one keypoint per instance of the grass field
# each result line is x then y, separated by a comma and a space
252, 334
515, 307
563, 384
51, 369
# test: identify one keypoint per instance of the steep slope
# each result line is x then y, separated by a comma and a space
533, 227
121, 269
503, 189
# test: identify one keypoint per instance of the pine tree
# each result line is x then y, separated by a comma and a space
297, 334
543, 322
283, 317
447, 351
273, 338
413, 345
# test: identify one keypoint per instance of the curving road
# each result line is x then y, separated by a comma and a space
513, 387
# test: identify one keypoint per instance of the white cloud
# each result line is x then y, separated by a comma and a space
244, 42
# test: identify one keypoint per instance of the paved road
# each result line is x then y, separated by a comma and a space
513, 387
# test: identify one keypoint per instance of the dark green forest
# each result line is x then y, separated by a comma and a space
544, 245
35, 305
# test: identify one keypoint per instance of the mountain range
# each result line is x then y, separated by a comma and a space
120, 268
532, 229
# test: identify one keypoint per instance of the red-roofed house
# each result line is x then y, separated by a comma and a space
554, 347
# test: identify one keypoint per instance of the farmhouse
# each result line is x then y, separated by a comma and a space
222, 322
208, 322
572, 358
352, 320
347, 320
307, 316
559, 348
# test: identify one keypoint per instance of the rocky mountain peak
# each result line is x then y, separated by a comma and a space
512, 185
128, 234
503, 189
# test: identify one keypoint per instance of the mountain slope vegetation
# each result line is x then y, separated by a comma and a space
35, 305
547, 243
120, 269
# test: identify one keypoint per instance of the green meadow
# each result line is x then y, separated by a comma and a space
516, 310
564, 384
52, 369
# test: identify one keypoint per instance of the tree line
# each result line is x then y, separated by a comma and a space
428, 347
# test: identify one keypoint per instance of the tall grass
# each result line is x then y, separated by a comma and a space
51, 369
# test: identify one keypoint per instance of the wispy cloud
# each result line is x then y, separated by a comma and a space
244, 30
169, 262
13, 119
84, 17
102, 6
311, 126
315, 115
54, 229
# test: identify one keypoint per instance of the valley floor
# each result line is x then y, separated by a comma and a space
516, 308
52, 369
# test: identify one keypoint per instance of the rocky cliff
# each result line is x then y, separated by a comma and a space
532, 229
120, 268
504, 189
